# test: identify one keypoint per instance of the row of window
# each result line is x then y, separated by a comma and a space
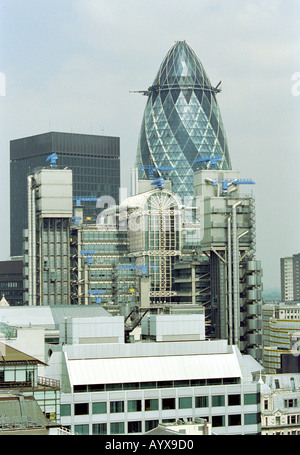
278, 386
155, 404
155, 384
17, 294
292, 316
11, 284
107, 235
136, 426
89, 160
14, 374
283, 432
97, 169
235, 419
115, 427
109, 177
106, 247
293, 419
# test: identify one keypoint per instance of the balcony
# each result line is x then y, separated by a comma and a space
44, 383
48, 383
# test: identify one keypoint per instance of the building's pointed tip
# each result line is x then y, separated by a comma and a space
181, 66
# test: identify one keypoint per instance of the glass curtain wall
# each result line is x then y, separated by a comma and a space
182, 123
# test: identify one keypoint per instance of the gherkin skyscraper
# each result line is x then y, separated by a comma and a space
182, 127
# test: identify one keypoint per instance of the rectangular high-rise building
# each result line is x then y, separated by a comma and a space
296, 276
286, 275
47, 239
227, 220
94, 160
290, 278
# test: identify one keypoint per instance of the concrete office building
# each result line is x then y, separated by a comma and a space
107, 386
47, 246
296, 276
281, 333
227, 221
287, 282
290, 278
94, 160
130, 388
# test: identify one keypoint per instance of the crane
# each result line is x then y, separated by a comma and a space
89, 254
212, 159
78, 199
158, 182
98, 293
52, 159
76, 219
227, 182
152, 169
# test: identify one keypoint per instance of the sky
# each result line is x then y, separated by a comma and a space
72, 65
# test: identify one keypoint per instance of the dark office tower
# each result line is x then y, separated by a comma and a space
94, 160
182, 123
11, 282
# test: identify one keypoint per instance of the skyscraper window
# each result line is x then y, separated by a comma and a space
94, 160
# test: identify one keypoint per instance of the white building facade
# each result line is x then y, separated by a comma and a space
280, 404
130, 388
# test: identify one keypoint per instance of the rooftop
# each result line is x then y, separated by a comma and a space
9, 354
47, 316
19, 412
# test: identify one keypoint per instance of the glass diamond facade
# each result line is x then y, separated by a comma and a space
182, 123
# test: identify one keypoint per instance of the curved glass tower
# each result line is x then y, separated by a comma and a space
182, 128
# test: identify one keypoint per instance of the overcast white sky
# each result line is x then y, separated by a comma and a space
70, 65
